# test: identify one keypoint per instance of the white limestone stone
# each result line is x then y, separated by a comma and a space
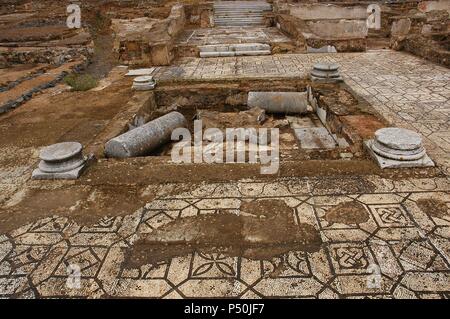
384, 162
60, 152
144, 83
140, 72
398, 154
279, 102
324, 49
72, 174
395, 147
60, 161
326, 72
239, 49
398, 138
326, 66
315, 138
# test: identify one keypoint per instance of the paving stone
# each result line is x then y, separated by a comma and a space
140, 72
315, 138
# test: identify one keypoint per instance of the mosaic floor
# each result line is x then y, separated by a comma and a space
410, 248
401, 251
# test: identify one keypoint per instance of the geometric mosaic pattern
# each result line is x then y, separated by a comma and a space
410, 249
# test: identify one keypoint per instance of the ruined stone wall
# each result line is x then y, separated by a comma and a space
424, 31
148, 41
316, 25
200, 14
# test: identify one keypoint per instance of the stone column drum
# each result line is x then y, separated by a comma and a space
326, 73
144, 139
144, 83
398, 148
60, 161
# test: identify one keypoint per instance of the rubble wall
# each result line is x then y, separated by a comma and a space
147, 41
316, 24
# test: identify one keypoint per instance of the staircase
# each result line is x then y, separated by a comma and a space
240, 13
224, 50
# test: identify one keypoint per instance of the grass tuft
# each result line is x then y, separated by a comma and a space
80, 82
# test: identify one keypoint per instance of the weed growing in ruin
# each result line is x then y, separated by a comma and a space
80, 82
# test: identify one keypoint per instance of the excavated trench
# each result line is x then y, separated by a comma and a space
224, 105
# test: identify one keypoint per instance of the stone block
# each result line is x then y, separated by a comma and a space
342, 29
315, 138
313, 11
140, 72
71, 174
427, 6
279, 102
401, 27
161, 54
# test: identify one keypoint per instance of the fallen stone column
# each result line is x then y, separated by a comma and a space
279, 102
146, 138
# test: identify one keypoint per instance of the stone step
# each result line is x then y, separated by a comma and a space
239, 20
235, 7
241, 9
238, 24
221, 50
234, 53
239, 14
234, 47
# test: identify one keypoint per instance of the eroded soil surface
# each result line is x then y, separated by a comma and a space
434, 207
263, 230
347, 213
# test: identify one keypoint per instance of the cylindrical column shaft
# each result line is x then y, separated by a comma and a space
142, 140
